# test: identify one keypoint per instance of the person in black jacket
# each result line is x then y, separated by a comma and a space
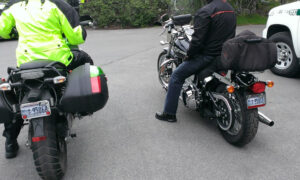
213, 24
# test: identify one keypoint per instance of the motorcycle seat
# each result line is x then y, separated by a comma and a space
41, 64
210, 69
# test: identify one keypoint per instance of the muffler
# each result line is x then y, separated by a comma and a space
265, 120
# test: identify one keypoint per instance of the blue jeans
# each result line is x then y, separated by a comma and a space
184, 70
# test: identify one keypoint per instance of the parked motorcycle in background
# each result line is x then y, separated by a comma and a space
230, 97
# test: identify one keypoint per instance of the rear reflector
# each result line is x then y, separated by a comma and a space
38, 139
253, 107
96, 84
258, 87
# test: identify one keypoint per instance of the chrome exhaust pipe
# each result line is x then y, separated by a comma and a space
265, 120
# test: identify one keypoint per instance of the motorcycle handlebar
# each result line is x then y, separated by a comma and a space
169, 29
86, 23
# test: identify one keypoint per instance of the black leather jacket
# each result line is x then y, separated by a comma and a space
214, 24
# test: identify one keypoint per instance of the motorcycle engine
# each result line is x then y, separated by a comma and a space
190, 95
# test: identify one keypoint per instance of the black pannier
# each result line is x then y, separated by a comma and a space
6, 113
248, 52
86, 90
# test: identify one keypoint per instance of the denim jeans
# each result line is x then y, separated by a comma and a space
184, 70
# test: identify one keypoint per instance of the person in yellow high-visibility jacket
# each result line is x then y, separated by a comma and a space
43, 27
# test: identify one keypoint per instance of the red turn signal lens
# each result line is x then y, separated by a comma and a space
258, 87
38, 139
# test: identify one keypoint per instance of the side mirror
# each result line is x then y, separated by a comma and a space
86, 20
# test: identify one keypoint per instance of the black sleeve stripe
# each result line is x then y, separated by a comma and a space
68, 11
84, 34
10, 3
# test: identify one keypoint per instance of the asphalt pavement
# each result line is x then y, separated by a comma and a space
125, 141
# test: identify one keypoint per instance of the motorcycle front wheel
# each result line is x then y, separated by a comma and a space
50, 155
243, 126
164, 71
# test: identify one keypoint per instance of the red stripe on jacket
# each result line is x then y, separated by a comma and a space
221, 12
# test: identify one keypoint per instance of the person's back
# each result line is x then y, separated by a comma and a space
41, 25
214, 24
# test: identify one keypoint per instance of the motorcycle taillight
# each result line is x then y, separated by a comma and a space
258, 87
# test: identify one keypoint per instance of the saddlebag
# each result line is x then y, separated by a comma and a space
248, 52
6, 112
86, 90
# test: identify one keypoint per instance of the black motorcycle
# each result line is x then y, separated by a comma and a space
230, 97
48, 97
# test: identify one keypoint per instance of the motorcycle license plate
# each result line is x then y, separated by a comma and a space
256, 100
35, 109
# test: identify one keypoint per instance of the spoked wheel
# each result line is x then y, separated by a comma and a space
50, 155
164, 70
238, 125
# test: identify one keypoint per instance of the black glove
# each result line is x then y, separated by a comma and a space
186, 58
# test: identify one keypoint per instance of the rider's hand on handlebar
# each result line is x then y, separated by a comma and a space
186, 58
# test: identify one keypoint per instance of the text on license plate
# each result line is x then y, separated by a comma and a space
257, 100
35, 109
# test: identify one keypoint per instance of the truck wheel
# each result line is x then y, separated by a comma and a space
288, 63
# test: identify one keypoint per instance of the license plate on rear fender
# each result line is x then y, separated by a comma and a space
256, 100
35, 109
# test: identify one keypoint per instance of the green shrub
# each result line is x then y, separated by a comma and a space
125, 13
141, 13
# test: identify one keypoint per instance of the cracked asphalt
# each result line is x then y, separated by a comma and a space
125, 141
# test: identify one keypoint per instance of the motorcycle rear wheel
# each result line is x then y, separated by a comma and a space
50, 155
245, 121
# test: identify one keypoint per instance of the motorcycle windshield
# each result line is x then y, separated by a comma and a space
179, 7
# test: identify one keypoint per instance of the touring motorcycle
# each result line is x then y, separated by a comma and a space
230, 97
48, 97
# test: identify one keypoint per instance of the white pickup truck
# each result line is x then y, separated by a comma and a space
283, 27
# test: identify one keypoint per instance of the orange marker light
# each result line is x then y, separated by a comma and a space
230, 89
270, 84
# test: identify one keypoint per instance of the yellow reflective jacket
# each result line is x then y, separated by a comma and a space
42, 26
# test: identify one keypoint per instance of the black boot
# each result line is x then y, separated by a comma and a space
11, 148
165, 117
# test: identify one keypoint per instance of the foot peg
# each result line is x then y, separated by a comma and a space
73, 135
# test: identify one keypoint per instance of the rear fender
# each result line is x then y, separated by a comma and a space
37, 95
37, 131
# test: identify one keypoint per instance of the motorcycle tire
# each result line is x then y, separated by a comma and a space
248, 122
161, 59
50, 155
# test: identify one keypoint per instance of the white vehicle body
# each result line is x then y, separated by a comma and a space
285, 18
